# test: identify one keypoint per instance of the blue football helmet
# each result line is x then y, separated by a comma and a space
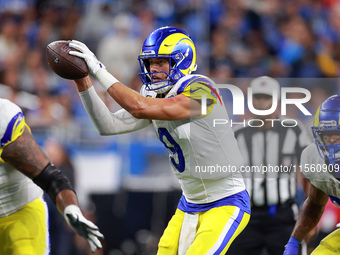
175, 45
327, 118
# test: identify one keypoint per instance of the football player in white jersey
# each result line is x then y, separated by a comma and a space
23, 213
320, 163
182, 107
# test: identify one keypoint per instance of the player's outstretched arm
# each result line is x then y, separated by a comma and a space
309, 217
106, 122
26, 155
175, 108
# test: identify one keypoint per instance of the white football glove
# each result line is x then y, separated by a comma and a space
95, 66
91, 60
83, 227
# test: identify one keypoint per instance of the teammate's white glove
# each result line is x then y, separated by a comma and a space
338, 225
91, 60
83, 227
95, 66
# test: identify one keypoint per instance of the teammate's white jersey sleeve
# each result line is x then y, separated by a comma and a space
315, 169
16, 189
204, 157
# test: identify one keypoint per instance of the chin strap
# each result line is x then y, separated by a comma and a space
331, 155
163, 87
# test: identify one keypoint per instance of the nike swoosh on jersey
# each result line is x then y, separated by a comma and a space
192, 91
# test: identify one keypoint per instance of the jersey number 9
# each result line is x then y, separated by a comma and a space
176, 153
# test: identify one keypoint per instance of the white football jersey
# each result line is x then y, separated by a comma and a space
204, 157
315, 169
16, 189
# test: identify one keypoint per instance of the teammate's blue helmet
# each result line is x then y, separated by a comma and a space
327, 118
172, 43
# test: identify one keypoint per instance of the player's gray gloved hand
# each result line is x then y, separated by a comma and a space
91, 60
83, 227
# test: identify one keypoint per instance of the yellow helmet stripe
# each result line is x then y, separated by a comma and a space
316, 118
168, 45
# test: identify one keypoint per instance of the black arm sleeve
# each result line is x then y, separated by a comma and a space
52, 180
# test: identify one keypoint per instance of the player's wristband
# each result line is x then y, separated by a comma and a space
294, 240
105, 78
292, 247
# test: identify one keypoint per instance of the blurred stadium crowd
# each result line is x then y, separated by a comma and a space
286, 39
297, 41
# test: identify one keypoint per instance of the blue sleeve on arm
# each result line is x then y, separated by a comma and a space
292, 247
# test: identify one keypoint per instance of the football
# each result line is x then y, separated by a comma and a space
64, 64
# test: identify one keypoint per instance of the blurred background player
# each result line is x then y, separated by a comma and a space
320, 165
214, 208
272, 193
23, 212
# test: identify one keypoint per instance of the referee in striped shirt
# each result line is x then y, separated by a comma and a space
272, 193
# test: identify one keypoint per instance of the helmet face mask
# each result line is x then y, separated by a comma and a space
173, 44
329, 152
147, 76
327, 122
